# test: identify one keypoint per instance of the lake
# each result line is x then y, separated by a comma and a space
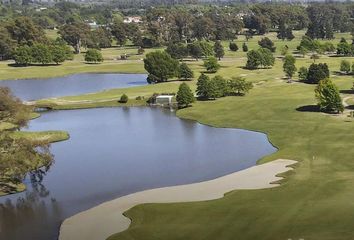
113, 152
34, 89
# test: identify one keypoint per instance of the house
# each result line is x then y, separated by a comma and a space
134, 19
164, 100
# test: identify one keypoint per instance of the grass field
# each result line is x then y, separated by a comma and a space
314, 202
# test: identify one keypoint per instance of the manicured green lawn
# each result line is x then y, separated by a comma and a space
314, 202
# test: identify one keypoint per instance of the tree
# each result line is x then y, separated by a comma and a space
23, 55
253, 59
41, 54
267, 58
19, 156
345, 66
184, 72
303, 51
93, 55
267, 43
221, 86
219, 50
303, 74
289, 66
317, 72
60, 53
177, 50
233, 47
344, 48
239, 86
160, 66
7, 44
124, 98
101, 38
203, 86
76, 34
328, 97
244, 47
211, 64
195, 50
119, 31
25, 31
184, 95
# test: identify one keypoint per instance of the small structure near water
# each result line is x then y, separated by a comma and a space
164, 100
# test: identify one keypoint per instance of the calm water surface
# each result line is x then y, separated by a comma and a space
115, 151
34, 89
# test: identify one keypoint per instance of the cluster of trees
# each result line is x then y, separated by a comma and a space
216, 87
161, 67
308, 44
25, 42
314, 74
262, 57
212, 88
19, 156
42, 54
196, 49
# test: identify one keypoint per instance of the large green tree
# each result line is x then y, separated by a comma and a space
184, 95
219, 50
76, 34
160, 66
328, 96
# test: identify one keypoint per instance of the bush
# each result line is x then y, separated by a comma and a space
267, 43
211, 64
317, 72
345, 66
233, 47
244, 47
123, 99
93, 55
303, 74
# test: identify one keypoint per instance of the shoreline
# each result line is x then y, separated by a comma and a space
110, 214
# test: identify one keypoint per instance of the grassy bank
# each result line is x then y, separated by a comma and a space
313, 203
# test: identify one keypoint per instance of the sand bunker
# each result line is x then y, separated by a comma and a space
100, 222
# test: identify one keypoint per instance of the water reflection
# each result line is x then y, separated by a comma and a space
35, 211
117, 151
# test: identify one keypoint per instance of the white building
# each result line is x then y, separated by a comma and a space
135, 19
164, 100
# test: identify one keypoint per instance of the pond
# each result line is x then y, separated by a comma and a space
116, 151
34, 89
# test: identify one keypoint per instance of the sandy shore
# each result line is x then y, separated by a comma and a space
102, 221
